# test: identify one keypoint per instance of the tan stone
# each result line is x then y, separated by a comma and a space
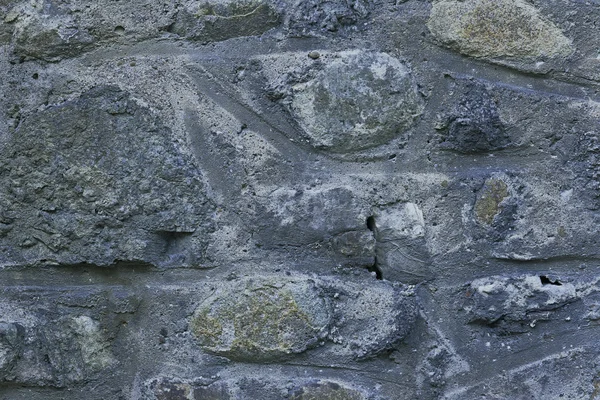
496, 29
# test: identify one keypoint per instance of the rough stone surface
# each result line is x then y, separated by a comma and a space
505, 28
216, 21
95, 180
474, 125
400, 245
299, 199
388, 310
376, 102
260, 319
316, 17
326, 390
256, 321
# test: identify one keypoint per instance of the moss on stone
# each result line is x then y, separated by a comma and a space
207, 328
268, 320
261, 323
487, 205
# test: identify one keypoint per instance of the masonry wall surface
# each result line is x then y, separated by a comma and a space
299, 199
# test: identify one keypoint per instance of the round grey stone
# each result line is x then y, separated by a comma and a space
357, 101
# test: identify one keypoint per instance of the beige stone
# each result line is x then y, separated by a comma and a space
497, 29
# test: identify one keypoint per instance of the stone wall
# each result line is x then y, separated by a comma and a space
299, 199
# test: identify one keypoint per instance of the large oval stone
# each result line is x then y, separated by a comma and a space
496, 29
357, 101
265, 319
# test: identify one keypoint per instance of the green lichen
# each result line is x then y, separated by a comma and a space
207, 328
257, 324
269, 320
488, 205
508, 27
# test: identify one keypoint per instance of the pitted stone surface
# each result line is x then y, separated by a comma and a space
99, 172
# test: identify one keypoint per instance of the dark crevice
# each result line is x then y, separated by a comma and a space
375, 268
172, 239
558, 258
371, 223
547, 281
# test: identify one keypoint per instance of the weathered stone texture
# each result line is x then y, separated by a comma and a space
299, 199
474, 125
95, 180
505, 28
326, 390
263, 320
377, 100
216, 21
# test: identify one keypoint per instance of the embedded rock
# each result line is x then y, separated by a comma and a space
499, 29
388, 310
51, 40
516, 305
401, 247
326, 390
264, 319
474, 125
98, 179
217, 21
351, 100
59, 354
55, 30
357, 101
313, 17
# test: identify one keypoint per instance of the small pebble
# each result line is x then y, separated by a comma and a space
314, 55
